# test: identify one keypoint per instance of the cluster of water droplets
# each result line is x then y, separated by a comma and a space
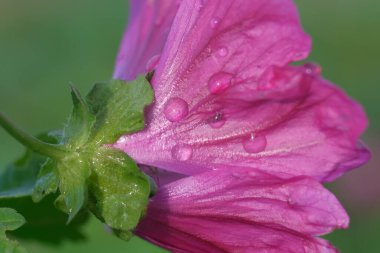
176, 109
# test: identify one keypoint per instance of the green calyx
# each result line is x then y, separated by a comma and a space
81, 166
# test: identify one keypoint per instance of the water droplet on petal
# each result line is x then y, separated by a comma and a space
217, 121
222, 52
176, 109
182, 152
214, 22
312, 69
121, 140
219, 82
255, 144
152, 63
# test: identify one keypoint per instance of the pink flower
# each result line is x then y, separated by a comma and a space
242, 211
229, 113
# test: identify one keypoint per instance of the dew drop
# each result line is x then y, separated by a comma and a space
214, 22
217, 121
222, 52
312, 69
121, 140
219, 82
176, 109
255, 144
182, 152
152, 63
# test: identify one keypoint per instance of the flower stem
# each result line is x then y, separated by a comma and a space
36, 145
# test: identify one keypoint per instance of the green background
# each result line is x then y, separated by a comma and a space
46, 44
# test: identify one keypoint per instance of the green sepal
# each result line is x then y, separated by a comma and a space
84, 168
109, 111
47, 181
119, 108
119, 190
10, 220
73, 173
80, 123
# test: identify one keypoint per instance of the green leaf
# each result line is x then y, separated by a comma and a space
8, 246
80, 123
19, 178
119, 190
10, 220
119, 108
47, 181
45, 223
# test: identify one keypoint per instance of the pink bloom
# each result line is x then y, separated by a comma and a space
242, 211
226, 97
228, 103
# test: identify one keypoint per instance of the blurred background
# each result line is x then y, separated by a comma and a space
46, 44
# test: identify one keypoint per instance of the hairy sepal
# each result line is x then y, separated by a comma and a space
92, 173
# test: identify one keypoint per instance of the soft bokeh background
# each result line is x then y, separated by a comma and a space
46, 44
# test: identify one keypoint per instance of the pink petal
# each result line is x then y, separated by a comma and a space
242, 211
271, 26
148, 28
294, 123
238, 37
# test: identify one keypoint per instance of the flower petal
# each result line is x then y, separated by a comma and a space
294, 123
242, 211
245, 38
145, 37
238, 37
